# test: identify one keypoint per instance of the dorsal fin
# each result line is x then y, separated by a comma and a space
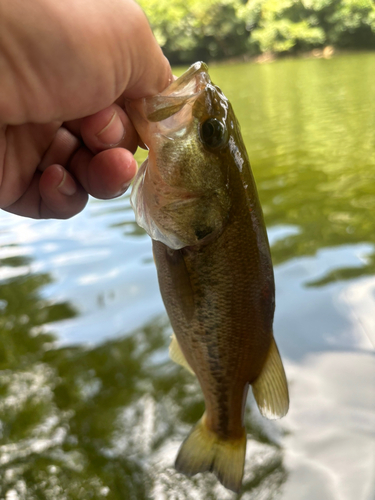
270, 389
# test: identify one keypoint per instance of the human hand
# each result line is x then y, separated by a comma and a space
66, 68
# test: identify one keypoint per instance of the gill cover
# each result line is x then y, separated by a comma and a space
164, 115
143, 215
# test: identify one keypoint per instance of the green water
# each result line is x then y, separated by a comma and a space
90, 405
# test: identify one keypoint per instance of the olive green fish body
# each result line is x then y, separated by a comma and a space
222, 315
197, 199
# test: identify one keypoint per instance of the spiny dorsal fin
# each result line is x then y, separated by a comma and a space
177, 356
271, 387
203, 450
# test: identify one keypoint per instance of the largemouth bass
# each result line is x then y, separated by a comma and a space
196, 197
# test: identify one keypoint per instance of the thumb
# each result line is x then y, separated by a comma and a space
149, 72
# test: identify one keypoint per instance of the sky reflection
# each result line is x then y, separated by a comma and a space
90, 404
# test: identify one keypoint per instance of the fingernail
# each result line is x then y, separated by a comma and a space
126, 185
122, 190
67, 185
113, 132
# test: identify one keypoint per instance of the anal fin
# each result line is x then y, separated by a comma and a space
270, 389
177, 356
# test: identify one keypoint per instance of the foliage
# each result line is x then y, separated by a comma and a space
351, 23
192, 29
284, 25
188, 30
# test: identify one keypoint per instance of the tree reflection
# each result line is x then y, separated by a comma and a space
105, 422
23, 312
309, 130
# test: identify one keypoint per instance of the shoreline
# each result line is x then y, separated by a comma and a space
327, 52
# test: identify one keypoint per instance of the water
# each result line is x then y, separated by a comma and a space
92, 408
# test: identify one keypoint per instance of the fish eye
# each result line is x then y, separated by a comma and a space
212, 133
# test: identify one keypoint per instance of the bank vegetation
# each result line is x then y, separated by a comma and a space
189, 30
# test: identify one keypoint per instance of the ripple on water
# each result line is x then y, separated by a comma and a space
90, 404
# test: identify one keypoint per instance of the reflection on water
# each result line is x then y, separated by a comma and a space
108, 421
310, 131
91, 406
332, 453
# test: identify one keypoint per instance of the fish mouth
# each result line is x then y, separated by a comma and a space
185, 89
158, 108
190, 83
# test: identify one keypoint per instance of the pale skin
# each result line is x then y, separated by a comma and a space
65, 70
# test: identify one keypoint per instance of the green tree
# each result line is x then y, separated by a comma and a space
189, 30
282, 25
350, 23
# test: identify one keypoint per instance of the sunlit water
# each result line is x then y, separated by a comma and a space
90, 405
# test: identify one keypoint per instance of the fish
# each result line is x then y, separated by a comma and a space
196, 197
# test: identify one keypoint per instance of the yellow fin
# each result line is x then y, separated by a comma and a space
177, 356
203, 450
271, 387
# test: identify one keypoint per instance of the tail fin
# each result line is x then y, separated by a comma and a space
203, 450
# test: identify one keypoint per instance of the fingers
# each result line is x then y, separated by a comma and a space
51, 194
21, 150
57, 183
107, 174
104, 166
63, 146
109, 128
57, 193
61, 196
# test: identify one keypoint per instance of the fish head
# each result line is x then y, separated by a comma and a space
181, 195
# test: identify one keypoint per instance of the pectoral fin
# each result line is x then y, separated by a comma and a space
270, 389
177, 356
174, 279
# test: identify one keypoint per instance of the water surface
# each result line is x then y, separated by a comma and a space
92, 408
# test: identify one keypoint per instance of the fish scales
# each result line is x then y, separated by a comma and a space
228, 326
197, 199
